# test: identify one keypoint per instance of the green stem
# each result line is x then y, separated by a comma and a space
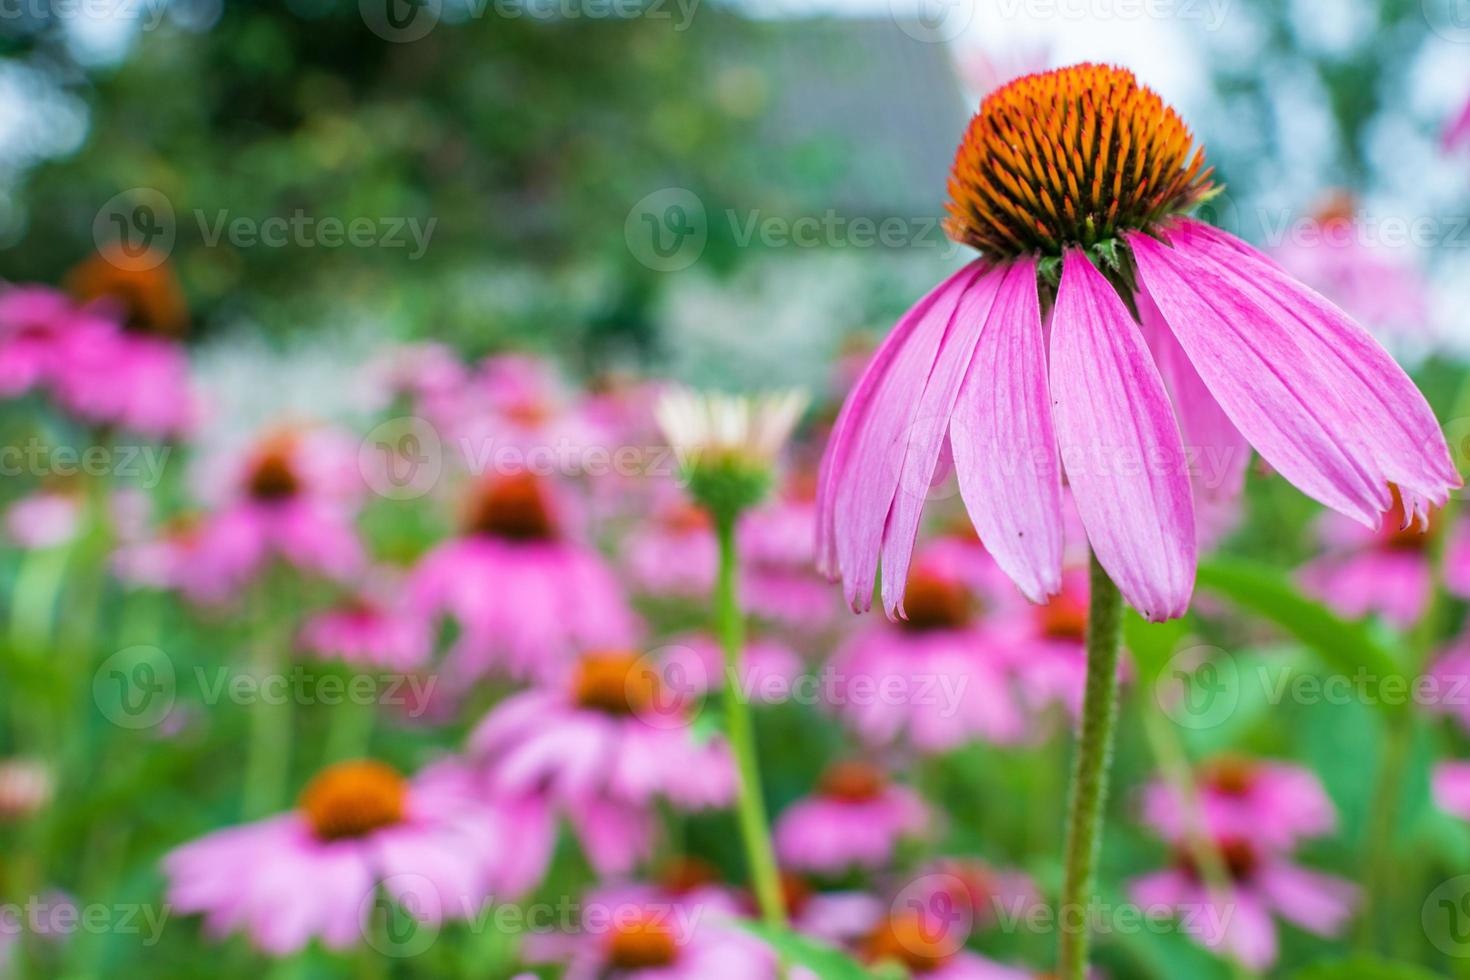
750, 805
1090, 772
267, 761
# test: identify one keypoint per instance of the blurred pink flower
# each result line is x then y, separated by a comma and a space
1275, 804
924, 948
432, 843
1450, 783
1388, 571
525, 593
603, 744
695, 663
292, 495
779, 578
133, 381
855, 819
673, 552
1450, 674
33, 322
637, 931
1263, 882
427, 377
373, 627
46, 518
937, 679
1385, 292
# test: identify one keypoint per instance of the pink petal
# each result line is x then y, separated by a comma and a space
1005, 448
926, 435
1120, 444
1318, 903
861, 467
1312, 391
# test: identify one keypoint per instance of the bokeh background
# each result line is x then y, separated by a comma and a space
729, 194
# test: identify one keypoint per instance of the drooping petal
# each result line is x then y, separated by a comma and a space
861, 469
1319, 399
1218, 454
1120, 444
1005, 448
926, 433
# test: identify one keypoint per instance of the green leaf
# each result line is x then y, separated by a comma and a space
1364, 968
1349, 648
825, 961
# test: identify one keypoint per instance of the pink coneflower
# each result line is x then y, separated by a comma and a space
1230, 351
637, 932
838, 917
937, 679
516, 410
1389, 571
673, 553
527, 595
909, 940
855, 819
604, 743
1262, 882
1276, 804
1046, 645
312, 872
1383, 292
779, 581
33, 322
45, 519
428, 377
372, 627
292, 496
1450, 674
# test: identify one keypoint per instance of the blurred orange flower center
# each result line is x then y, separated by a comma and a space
615, 683
852, 782
934, 602
1232, 775
1237, 854
644, 943
273, 477
1064, 617
1073, 156
512, 507
353, 799
909, 941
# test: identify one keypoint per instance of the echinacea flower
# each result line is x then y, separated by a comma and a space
1262, 882
672, 552
1277, 804
855, 819
1104, 336
525, 592
779, 581
433, 843
636, 932
603, 744
291, 495
33, 322
1389, 571
373, 627
937, 679
911, 941
728, 444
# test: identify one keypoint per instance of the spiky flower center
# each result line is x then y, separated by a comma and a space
1073, 156
935, 602
353, 799
511, 507
852, 782
642, 942
615, 683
